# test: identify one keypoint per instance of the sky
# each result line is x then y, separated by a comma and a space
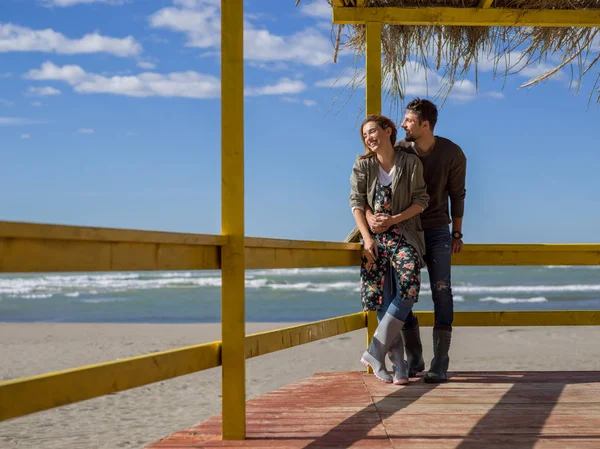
110, 116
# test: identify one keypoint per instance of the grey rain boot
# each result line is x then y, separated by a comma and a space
387, 331
439, 365
399, 365
414, 349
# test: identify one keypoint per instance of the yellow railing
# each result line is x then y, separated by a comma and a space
27, 247
20, 397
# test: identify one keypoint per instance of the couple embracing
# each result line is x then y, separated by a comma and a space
404, 196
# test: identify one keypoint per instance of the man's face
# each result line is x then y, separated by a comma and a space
412, 126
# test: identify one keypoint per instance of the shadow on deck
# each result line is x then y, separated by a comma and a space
488, 410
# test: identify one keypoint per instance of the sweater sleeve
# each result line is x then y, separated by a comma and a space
419, 188
456, 184
358, 183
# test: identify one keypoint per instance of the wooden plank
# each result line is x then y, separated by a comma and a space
28, 247
519, 318
276, 340
232, 220
468, 16
32, 394
373, 68
338, 410
278, 257
37, 231
24, 255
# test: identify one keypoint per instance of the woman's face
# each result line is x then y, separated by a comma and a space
374, 136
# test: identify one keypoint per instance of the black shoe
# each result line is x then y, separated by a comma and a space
439, 365
414, 349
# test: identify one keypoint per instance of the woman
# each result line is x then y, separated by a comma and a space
390, 183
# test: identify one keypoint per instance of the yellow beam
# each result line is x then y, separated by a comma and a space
485, 3
276, 340
373, 62
519, 318
33, 394
233, 310
273, 253
19, 397
372, 323
468, 16
535, 254
28, 247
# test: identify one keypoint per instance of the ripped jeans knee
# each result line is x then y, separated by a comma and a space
443, 304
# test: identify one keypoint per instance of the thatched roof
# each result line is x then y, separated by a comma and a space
457, 51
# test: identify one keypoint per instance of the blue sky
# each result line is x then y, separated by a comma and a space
110, 116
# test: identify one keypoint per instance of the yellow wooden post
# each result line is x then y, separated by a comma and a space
232, 219
373, 56
371, 325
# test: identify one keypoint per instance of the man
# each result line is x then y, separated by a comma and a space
444, 166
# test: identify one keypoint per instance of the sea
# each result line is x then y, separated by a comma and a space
282, 295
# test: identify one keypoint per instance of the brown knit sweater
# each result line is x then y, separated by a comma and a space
444, 170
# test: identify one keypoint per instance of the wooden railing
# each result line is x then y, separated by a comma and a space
26, 247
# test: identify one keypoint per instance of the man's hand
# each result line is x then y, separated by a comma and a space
457, 245
371, 252
379, 223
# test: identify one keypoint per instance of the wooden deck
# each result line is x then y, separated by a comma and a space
487, 410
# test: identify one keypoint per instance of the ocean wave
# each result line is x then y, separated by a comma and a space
305, 271
537, 299
75, 285
479, 289
585, 267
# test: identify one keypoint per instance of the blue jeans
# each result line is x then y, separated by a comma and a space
399, 308
438, 256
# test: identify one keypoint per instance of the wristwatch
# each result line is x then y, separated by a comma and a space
457, 235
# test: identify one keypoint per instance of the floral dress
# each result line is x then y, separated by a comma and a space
394, 251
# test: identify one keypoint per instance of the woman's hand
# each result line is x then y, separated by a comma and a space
371, 252
380, 223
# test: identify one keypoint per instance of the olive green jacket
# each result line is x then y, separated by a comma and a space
408, 188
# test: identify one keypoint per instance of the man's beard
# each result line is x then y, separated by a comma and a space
409, 138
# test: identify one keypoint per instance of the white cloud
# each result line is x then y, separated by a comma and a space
37, 104
317, 8
341, 81
146, 65
178, 84
202, 27
86, 131
282, 87
418, 81
14, 38
16, 121
5, 75
66, 3
132, 134
307, 47
200, 22
43, 91
25, 136
516, 63
308, 103
495, 94
6, 102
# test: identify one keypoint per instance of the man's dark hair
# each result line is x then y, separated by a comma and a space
425, 110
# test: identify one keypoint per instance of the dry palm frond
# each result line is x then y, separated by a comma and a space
458, 50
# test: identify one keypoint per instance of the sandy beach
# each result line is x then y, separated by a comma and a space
137, 417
